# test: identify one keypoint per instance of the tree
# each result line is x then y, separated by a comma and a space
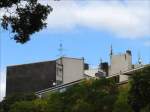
121, 104
22, 106
27, 17
10, 100
146, 109
38, 105
55, 102
139, 93
105, 95
1, 109
96, 95
81, 106
93, 95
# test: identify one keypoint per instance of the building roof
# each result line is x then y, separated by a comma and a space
91, 72
132, 71
44, 61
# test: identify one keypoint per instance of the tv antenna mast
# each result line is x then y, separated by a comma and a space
61, 50
139, 58
111, 50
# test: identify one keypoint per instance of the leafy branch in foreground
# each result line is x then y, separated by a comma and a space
27, 17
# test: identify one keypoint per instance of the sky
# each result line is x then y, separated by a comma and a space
86, 29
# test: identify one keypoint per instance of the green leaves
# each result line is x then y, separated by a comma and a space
55, 102
93, 95
10, 100
27, 20
30, 106
8, 3
121, 104
139, 94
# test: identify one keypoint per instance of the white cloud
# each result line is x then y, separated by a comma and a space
2, 84
128, 20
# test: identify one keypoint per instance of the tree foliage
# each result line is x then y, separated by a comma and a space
139, 94
55, 102
89, 95
38, 105
121, 104
146, 109
27, 17
10, 100
93, 95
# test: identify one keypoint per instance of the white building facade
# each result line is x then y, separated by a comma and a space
69, 70
120, 62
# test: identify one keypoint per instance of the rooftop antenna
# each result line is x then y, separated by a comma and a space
111, 50
61, 49
139, 58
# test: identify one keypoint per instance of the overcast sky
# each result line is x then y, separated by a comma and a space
86, 29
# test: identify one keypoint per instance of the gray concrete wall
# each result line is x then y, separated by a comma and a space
59, 71
120, 63
73, 69
30, 77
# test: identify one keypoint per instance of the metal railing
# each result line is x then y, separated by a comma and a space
64, 86
57, 87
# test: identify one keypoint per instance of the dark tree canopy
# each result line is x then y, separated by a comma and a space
27, 18
139, 93
92, 95
10, 100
